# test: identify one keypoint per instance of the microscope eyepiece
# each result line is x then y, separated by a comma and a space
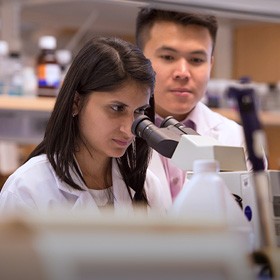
179, 127
169, 121
160, 139
140, 124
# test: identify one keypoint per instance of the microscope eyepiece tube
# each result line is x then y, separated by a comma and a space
170, 121
161, 139
174, 124
140, 126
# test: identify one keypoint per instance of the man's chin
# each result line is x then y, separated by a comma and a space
180, 114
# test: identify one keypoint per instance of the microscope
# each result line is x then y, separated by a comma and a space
258, 191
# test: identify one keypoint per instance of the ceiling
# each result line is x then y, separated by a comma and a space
107, 17
72, 21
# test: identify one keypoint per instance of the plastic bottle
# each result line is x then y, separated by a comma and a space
206, 198
4, 66
29, 81
48, 69
202, 199
15, 74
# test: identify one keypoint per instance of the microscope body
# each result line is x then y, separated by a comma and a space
242, 183
184, 147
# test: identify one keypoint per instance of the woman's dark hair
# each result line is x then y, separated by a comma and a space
103, 64
147, 17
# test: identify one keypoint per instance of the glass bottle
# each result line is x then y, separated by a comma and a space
48, 69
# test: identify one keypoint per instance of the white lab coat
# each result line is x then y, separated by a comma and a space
212, 124
35, 186
157, 168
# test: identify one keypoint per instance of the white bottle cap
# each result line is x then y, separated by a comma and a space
205, 165
47, 42
4, 48
63, 57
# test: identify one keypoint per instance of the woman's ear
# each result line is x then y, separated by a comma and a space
76, 104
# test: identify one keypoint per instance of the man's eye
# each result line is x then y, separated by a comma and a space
117, 108
197, 60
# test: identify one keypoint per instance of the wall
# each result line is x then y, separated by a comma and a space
257, 52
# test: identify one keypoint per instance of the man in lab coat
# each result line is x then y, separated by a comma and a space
181, 47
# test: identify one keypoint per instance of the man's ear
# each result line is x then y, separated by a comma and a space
76, 104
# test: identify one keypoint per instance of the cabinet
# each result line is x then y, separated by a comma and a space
257, 52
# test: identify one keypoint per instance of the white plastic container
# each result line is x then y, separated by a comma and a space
29, 81
206, 198
202, 199
16, 75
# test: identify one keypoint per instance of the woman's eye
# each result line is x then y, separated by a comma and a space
140, 111
118, 108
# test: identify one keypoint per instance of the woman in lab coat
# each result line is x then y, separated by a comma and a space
89, 157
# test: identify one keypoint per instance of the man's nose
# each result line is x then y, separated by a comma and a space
182, 70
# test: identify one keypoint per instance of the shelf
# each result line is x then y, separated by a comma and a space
267, 118
23, 120
27, 103
46, 104
271, 124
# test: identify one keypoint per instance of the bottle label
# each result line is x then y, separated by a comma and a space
49, 75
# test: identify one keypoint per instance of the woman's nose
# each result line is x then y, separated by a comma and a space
126, 125
182, 70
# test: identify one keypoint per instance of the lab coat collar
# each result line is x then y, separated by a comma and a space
200, 117
203, 124
122, 200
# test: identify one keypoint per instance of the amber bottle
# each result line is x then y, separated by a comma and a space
48, 69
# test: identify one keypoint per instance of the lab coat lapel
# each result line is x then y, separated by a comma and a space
81, 199
85, 201
122, 201
204, 125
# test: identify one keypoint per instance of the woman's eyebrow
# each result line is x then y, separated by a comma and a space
146, 106
118, 102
